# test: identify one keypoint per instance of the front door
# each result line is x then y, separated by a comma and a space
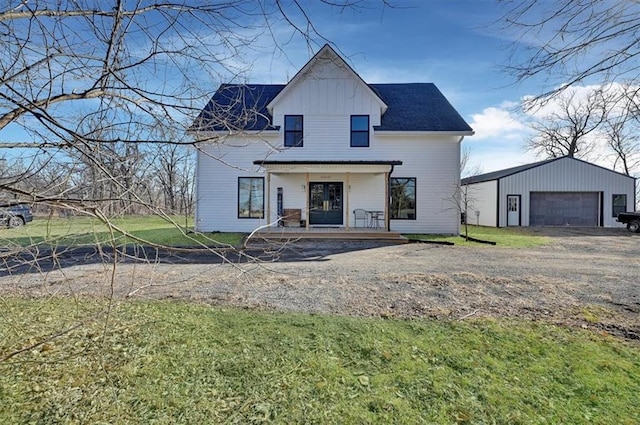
325, 203
513, 210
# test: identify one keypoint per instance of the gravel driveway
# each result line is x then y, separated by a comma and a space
584, 277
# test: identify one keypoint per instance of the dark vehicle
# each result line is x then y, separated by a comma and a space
632, 219
15, 215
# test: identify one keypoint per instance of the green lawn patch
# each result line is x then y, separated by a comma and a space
161, 362
166, 231
503, 236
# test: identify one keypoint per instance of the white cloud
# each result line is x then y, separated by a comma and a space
498, 123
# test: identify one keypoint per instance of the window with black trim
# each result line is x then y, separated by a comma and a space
293, 131
403, 198
250, 197
619, 204
359, 131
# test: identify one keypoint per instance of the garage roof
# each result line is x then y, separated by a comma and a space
496, 175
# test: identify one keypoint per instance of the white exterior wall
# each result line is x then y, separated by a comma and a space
482, 197
434, 162
219, 167
326, 98
566, 175
431, 160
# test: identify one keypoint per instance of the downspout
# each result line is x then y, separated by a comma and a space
466, 207
387, 219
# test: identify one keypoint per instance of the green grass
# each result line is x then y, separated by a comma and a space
164, 363
505, 237
85, 230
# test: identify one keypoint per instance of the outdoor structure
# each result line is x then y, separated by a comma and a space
557, 192
309, 153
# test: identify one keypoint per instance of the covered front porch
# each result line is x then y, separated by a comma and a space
328, 196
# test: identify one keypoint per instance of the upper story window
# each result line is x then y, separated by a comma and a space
359, 131
293, 130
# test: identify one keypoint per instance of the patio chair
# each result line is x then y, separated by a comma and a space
360, 214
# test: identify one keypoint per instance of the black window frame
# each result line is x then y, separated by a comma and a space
360, 132
297, 134
415, 199
249, 216
615, 209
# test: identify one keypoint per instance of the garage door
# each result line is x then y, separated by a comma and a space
564, 209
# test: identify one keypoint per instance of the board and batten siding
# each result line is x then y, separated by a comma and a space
327, 89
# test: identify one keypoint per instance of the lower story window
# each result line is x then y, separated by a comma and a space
619, 204
250, 197
403, 198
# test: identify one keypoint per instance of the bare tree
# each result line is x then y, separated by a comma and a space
89, 88
466, 168
562, 127
137, 69
173, 170
570, 42
620, 131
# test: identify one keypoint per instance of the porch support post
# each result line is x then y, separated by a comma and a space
268, 197
346, 197
306, 197
386, 202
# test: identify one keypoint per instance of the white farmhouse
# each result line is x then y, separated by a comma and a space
560, 191
328, 150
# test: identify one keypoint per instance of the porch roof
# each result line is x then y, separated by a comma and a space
327, 165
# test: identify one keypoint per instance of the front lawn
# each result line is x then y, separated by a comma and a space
161, 362
166, 231
514, 237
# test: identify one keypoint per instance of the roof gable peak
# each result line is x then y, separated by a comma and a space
324, 55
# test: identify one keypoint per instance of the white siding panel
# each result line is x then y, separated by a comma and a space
219, 167
482, 197
434, 162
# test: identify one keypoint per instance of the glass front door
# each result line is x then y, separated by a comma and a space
325, 203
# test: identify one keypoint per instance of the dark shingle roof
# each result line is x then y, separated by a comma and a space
417, 107
236, 107
411, 107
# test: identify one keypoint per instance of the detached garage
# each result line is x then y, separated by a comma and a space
557, 192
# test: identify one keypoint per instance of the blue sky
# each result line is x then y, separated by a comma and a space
452, 43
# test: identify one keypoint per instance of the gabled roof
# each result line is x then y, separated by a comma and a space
405, 107
324, 53
411, 107
496, 175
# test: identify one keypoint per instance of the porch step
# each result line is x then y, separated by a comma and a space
351, 235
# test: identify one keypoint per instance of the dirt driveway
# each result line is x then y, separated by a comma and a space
583, 277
